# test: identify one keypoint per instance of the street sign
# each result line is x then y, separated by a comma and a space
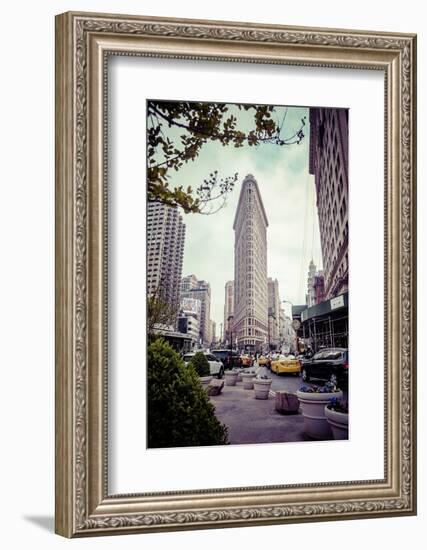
337, 302
296, 324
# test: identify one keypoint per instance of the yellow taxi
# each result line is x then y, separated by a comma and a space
263, 361
285, 364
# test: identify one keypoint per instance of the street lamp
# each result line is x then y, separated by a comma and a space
271, 316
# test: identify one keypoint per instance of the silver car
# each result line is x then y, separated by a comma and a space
215, 365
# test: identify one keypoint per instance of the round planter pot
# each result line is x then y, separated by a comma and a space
313, 410
262, 388
239, 376
205, 380
338, 421
230, 378
248, 380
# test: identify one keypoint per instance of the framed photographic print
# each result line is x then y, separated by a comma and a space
235, 274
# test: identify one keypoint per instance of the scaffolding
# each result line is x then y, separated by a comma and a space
327, 331
326, 324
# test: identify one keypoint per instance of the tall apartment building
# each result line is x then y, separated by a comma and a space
191, 287
250, 269
165, 251
315, 286
274, 307
329, 165
228, 311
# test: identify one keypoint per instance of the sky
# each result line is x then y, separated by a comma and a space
288, 193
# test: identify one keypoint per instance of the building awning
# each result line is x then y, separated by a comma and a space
297, 310
173, 334
324, 308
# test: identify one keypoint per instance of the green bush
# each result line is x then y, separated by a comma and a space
179, 411
200, 364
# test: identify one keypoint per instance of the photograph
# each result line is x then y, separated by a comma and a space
247, 273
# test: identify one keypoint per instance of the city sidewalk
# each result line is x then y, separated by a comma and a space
251, 420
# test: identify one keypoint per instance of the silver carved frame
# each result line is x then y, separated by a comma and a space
83, 43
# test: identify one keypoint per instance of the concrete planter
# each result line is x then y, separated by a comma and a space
262, 387
248, 380
262, 371
313, 410
239, 376
230, 378
205, 380
338, 422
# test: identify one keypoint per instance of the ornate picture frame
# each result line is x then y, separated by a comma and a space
83, 43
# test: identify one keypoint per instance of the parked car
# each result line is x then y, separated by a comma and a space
215, 364
247, 360
229, 358
330, 365
285, 364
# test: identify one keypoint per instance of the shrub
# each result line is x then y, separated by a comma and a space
179, 412
200, 364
